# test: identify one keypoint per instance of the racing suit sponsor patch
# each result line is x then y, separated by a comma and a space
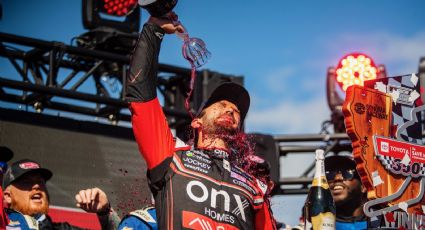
193, 220
198, 192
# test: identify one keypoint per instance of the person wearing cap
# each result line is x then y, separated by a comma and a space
348, 192
205, 185
27, 198
5, 155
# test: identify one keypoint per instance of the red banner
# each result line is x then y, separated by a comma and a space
400, 157
74, 216
398, 149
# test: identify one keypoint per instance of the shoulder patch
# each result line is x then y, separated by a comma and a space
14, 223
144, 215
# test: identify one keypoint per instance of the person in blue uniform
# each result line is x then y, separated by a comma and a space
142, 219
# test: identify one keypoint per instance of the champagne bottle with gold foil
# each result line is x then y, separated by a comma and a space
319, 209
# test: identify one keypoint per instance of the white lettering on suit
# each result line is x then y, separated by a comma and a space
214, 193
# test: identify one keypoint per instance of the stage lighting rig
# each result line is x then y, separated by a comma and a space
121, 15
352, 69
113, 25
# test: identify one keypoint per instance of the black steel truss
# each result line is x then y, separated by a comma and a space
307, 144
39, 63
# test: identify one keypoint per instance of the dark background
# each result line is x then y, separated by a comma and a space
81, 155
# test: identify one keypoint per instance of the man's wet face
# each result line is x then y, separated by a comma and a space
221, 116
29, 194
345, 188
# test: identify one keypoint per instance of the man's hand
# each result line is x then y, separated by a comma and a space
169, 23
92, 200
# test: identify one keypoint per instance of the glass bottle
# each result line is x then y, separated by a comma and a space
319, 208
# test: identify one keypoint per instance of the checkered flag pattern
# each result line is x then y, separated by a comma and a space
386, 161
401, 112
389, 162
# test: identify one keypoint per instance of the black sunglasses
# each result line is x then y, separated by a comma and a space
347, 174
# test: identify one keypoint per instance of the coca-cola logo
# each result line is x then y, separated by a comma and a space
359, 108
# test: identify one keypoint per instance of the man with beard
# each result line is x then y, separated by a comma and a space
209, 185
5, 155
347, 191
27, 198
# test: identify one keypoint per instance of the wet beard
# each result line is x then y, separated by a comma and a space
242, 146
235, 140
217, 131
26, 209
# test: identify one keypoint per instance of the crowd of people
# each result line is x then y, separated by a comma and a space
211, 183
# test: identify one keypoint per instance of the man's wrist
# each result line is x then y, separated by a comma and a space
109, 220
105, 211
155, 27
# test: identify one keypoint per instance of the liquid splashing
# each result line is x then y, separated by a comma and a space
195, 51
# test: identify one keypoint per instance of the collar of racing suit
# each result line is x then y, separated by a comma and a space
217, 153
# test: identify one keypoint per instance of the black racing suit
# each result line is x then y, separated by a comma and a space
193, 188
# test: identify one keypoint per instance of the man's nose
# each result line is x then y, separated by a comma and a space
229, 110
38, 185
338, 177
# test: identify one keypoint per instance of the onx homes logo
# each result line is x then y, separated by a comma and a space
199, 193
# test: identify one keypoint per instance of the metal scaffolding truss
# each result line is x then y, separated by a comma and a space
307, 144
51, 70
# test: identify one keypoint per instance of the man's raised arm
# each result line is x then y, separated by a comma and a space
150, 127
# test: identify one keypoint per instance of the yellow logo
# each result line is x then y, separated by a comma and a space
13, 223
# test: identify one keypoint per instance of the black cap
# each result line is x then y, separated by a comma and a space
5, 154
338, 162
158, 8
232, 92
22, 167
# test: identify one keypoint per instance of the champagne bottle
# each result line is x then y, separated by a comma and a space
319, 208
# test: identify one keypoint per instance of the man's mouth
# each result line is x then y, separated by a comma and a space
37, 198
338, 188
227, 118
